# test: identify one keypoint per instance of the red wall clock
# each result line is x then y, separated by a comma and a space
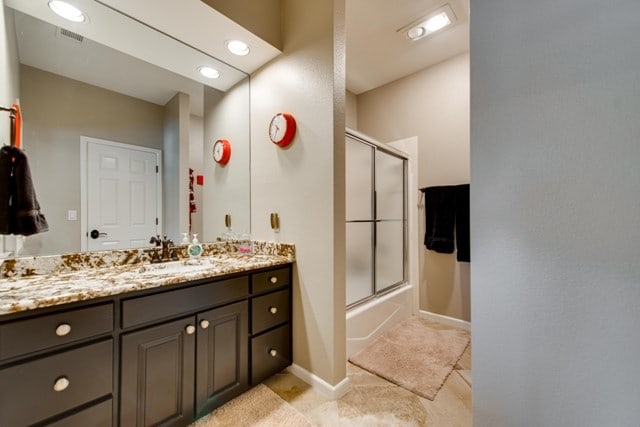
282, 129
222, 151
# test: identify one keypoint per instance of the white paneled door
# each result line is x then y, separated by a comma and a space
122, 194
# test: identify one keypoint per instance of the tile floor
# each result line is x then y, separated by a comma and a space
373, 401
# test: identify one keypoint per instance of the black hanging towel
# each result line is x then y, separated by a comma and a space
440, 216
19, 208
462, 223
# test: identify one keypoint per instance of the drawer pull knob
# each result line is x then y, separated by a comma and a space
273, 352
190, 329
204, 324
273, 310
61, 384
273, 279
63, 329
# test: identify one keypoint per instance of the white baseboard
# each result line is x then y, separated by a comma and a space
451, 321
333, 392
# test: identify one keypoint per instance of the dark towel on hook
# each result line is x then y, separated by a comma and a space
462, 223
19, 208
440, 214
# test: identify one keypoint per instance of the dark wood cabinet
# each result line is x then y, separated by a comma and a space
39, 389
221, 356
164, 356
157, 374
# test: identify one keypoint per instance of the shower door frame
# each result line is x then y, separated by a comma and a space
376, 146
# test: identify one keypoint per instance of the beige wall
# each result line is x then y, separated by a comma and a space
227, 188
555, 213
9, 90
262, 17
433, 105
56, 112
175, 167
9, 70
351, 111
304, 183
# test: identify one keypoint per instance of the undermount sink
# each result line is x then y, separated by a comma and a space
176, 267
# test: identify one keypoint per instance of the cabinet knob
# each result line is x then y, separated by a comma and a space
273, 279
190, 329
61, 384
273, 310
273, 352
204, 324
63, 329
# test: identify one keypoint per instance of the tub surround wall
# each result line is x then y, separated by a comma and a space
432, 104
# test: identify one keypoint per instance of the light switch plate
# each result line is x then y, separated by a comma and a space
72, 215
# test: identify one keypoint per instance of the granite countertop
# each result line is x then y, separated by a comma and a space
28, 292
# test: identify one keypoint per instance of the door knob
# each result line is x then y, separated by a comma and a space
95, 234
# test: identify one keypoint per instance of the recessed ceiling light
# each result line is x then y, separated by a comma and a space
431, 25
435, 20
67, 11
238, 47
208, 72
416, 32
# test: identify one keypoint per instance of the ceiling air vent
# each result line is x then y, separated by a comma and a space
66, 34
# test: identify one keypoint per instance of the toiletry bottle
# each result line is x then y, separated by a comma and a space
185, 238
244, 244
195, 248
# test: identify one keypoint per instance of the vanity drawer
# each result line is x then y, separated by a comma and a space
38, 333
269, 310
100, 415
270, 280
27, 394
270, 353
138, 311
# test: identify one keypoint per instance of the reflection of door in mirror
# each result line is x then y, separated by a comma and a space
120, 195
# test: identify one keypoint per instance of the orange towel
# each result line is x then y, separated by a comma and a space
16, 131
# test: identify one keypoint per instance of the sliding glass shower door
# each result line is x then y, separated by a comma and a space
376, 219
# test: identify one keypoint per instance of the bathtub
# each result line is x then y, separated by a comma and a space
368, 320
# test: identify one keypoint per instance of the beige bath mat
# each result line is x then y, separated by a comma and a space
259, 407
414, 355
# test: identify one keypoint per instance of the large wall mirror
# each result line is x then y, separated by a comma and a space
101, 104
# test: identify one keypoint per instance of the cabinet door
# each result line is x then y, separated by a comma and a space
221, 358
157, 375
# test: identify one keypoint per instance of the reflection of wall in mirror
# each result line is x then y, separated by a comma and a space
57, 111
9, 93
227, 188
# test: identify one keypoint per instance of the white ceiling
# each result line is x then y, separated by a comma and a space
125, 56
40, 45
377, 54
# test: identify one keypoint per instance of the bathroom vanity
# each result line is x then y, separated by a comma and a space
182, 343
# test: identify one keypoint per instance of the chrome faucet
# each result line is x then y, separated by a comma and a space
167, 252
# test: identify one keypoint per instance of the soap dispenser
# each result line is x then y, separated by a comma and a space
195, 248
